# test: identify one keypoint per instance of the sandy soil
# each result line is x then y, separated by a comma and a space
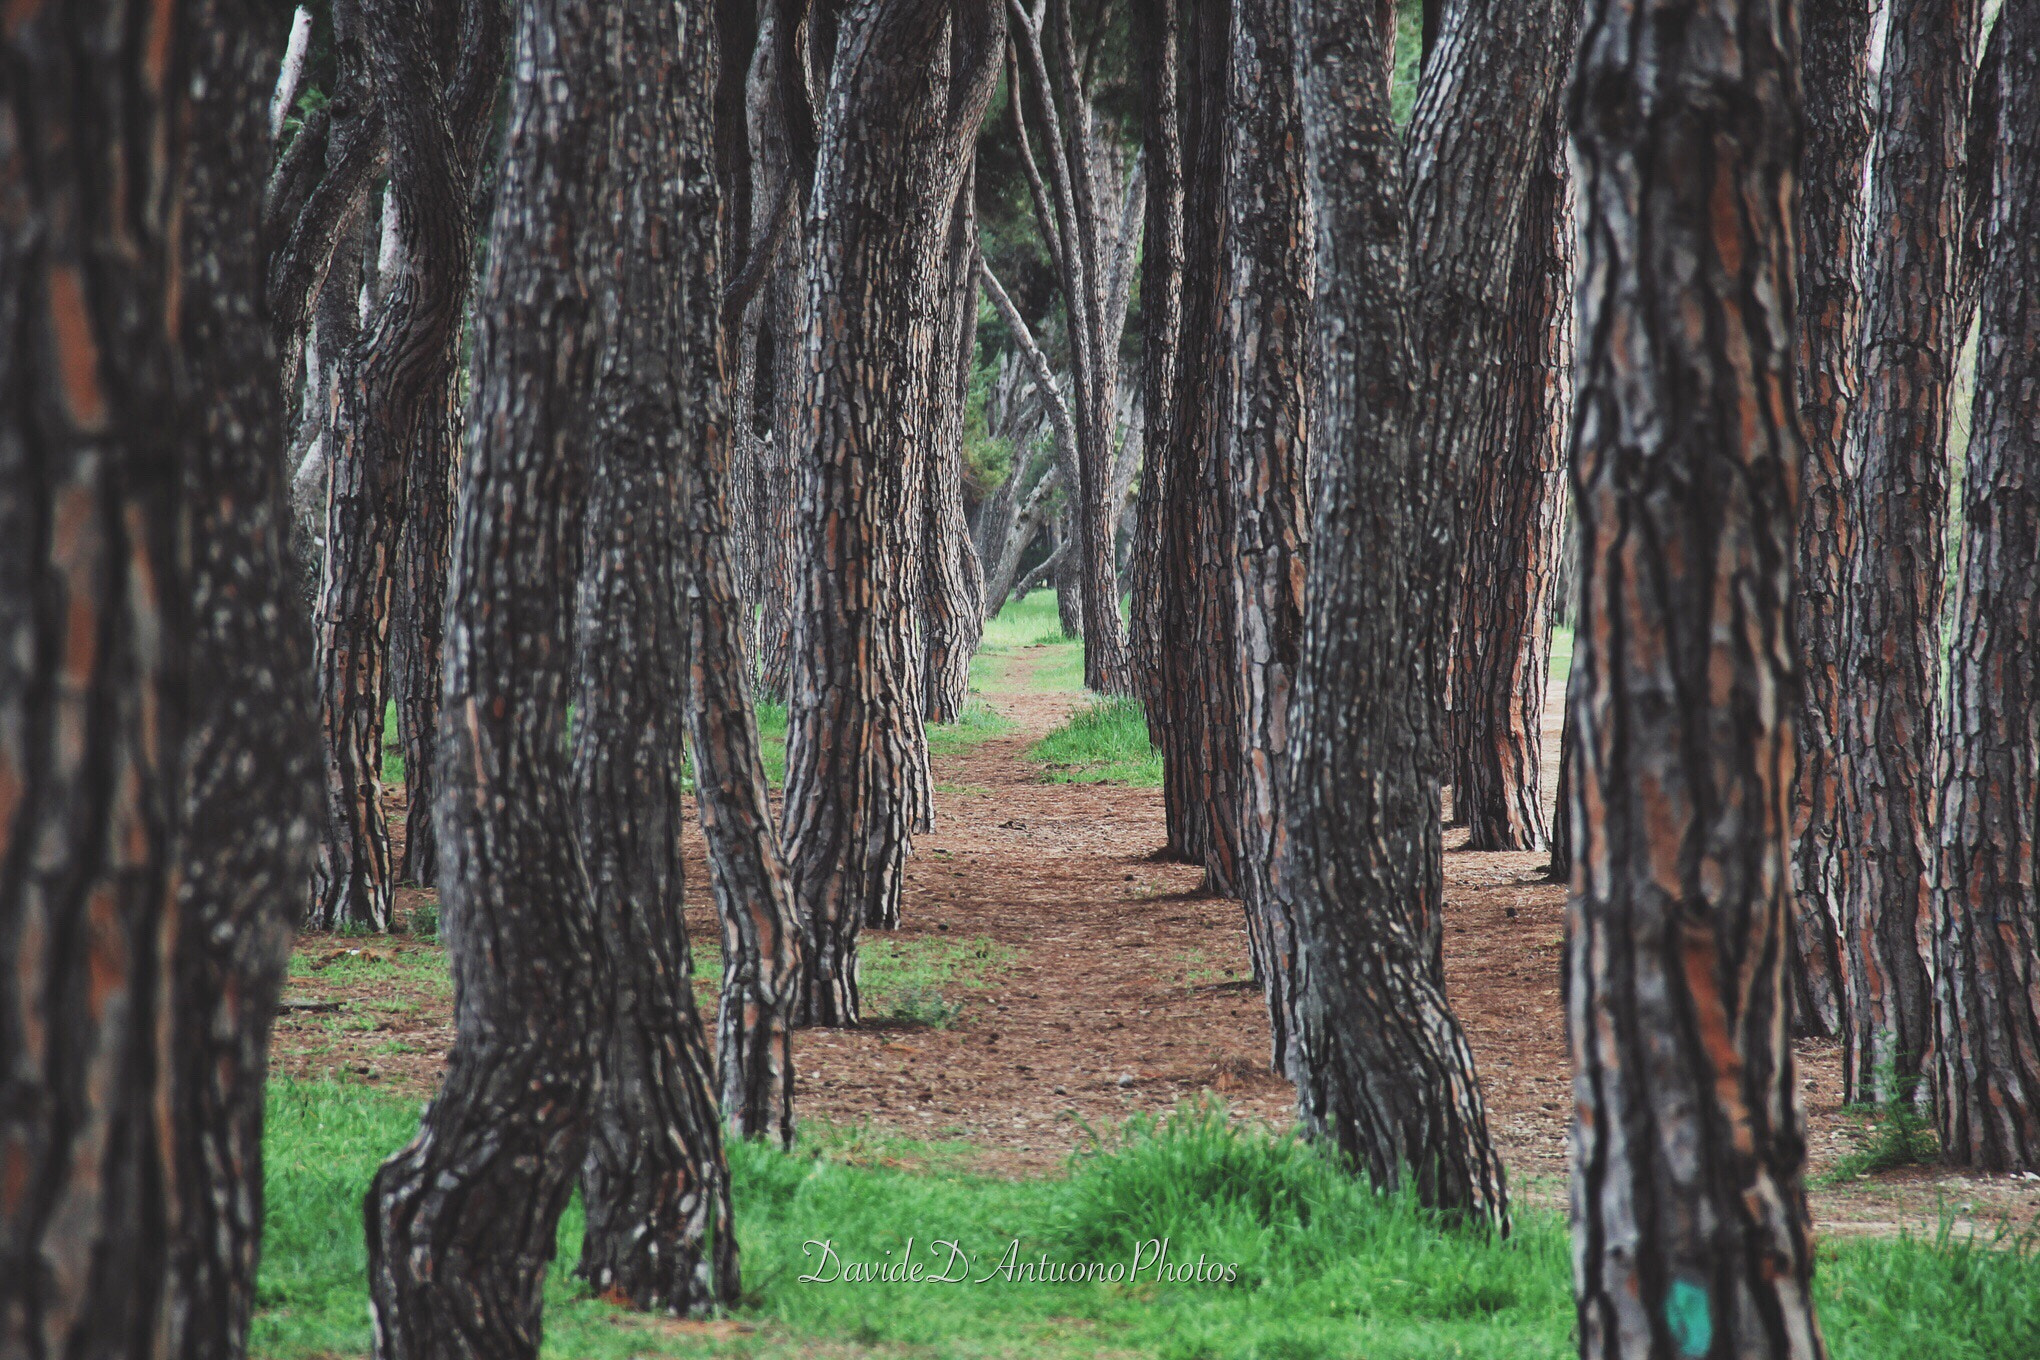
1128, 989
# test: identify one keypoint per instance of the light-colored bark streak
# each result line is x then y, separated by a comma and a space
1986, 938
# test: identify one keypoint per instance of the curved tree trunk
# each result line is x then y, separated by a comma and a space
904, 107
156, 743
462, 1222
1896, 551
393, 409
1503, 653
418, 625
1835, 60
1267, 328
952, 579
1986, 941
1690, 1232
1382, 1069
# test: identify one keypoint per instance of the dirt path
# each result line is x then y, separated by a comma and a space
1127, 990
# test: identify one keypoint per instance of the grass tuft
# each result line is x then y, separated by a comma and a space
1105, 743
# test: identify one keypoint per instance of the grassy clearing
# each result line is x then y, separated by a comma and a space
1318, 1265
1056, 660
1105, 743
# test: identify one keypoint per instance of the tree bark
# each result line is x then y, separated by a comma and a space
1895, 558
659, 1228
1835, 60
1196, 723
1267, 329
1048, 78
156, 745
1690, 1233
904, 106
393, 422
1158, 40
1382, 1069
1503, 652
952, 578
462, 1222
474, 52
1986, 938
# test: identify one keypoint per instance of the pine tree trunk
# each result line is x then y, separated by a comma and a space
394, 392
952, 579
1895, 555
475, 57
747, 871
462, 1222
1690, 1233
1835, 60
659, 1229
156, 740
1986, 940
1196, 725
1381, 1067
903, 112
1158, 39
1475, 143
1502, 658
1267, 327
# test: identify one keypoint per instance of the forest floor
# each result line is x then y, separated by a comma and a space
1054, 977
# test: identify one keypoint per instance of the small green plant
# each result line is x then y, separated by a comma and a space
919, 1005
424, 921
1896, 1132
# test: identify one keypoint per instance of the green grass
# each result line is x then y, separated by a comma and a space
1105, 743
926, 981
1319, 1265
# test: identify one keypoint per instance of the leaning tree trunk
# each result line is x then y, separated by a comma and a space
462, 1222
156, 745
1502, 658
657, 1191
903, 111
1196, 722
418, 619
394, 389
952, 579
1835, 60
1986, 941
1690, 1233
1895, 555
1381, 1066
1267, 328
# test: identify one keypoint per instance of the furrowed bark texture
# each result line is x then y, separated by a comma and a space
656, 1187
904, 105
1381, 1067
1690, 1233
462, 1222
1503, 652
1986, 936
393, 419
1895, 555
1197, 724
1475, 142
952, 579
156, 753
747, 872
1267, 328
1158, 38
472, 49
1835, 60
